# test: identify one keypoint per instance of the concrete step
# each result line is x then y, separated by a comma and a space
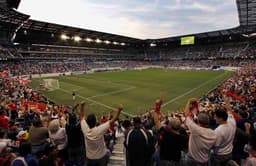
112, 164
121, 154
118, 146
117, 157
115, 162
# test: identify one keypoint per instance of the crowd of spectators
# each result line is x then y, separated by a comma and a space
218, 129
232, 50
44, 67
34, 131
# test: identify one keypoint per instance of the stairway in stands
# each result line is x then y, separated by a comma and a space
117, 157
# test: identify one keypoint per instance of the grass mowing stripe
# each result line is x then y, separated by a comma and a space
192, 90
113, 92
106, 81
77, 89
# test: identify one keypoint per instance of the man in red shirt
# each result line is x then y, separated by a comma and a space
3, 120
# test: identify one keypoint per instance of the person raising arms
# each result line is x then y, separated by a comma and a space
96, 151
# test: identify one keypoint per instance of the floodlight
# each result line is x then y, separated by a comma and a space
98, 41
88, 39
77, 38
64, 37
152, 44
115, 43
107, 42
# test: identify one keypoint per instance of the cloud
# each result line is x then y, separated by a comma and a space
137, 18
193, 6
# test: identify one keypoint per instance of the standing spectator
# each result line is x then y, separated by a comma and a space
76, 148
171, 142
96, 151
201, 139
139, 145
58, 137
225, 135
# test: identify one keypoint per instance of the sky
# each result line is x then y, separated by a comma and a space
143, 19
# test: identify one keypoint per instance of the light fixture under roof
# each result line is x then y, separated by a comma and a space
107, 42
88, 39
152, 44
64, 37
77, 38
98, 41
115, 43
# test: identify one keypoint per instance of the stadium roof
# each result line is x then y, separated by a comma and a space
55, 28
241, 30
11, 16
246, 12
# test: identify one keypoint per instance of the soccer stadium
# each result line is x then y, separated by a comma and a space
74, 96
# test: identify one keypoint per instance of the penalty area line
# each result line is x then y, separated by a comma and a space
96, 102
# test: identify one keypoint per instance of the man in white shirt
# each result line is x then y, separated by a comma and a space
96, 151
201, 139
225, 135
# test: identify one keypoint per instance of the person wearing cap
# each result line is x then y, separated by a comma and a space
201, 139
170, 141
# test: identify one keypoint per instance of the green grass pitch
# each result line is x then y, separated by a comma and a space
136, 90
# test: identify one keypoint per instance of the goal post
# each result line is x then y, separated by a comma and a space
51, 84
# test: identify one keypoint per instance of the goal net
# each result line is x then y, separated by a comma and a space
51, 84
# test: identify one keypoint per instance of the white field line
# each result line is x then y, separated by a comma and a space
113, 92
96, 102
78, 89
192, 90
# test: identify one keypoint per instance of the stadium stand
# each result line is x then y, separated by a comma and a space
33, 47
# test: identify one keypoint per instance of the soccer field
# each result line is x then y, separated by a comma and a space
136, 90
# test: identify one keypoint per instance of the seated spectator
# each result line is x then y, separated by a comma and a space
3, 120
38, 136
251, 160
25, 157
